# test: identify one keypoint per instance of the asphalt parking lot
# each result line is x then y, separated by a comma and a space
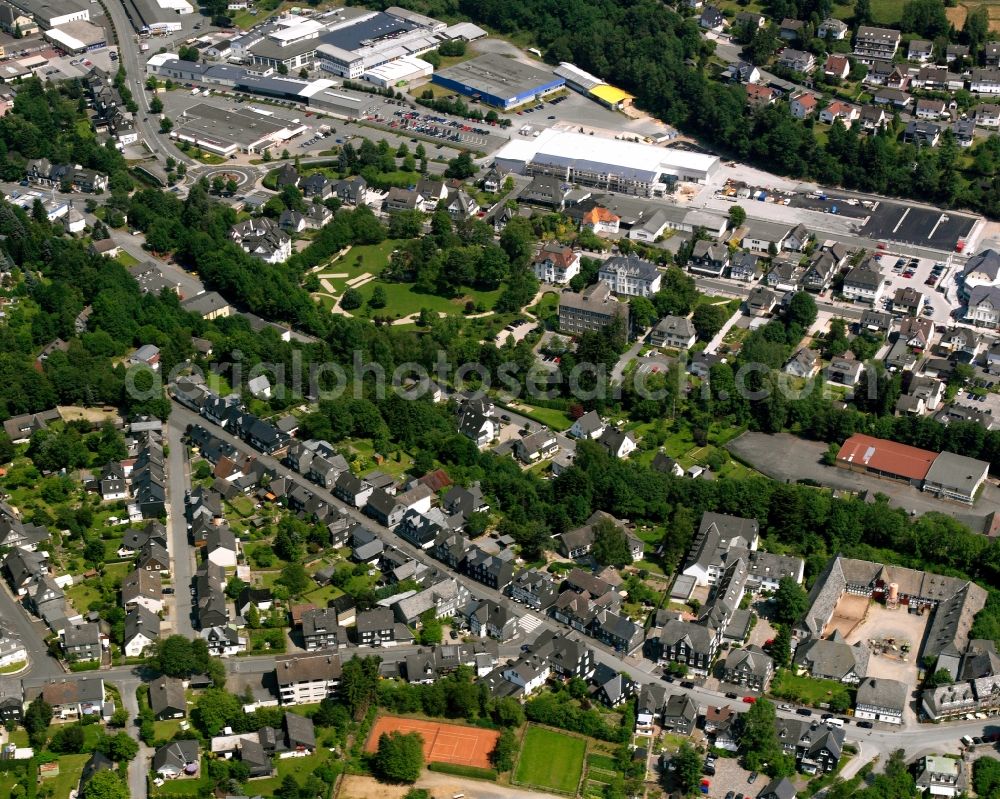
896, 276
918, 226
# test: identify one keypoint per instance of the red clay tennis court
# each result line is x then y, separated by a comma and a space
443, 743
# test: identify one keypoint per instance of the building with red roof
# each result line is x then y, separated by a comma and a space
861, 453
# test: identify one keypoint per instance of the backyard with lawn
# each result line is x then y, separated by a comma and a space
550, 760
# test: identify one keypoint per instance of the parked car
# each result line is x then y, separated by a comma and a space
731, 695
753, 777
865, 724
804, 711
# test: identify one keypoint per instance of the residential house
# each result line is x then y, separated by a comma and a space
881, 700
177, 759
764, 236
536, 446
863, 284
461, 205
577, 543
618, 443
692, 644
649, 706
307, 679
556, 263
82, 643
618, 632
142, 631
964, 131
930, 109
70, 699
817, 747
527, 674
983, 309
376, 627
167, 699
761, 301
920, 50
837, 66
742, 71
712, 19
673, 331
223, 640
791, 30
988, 115
760, 95
832, 659
839, 111
750, 668
819, 272
804, 363
487, 619
921, 133
985, 81
493, 571
321, 629
883, 73
709, 258
803, 104
845, 369
630, 276
680, 714
937, 775
955, 52
612, 688
907, 301
534, 588
832, 28
385, 508
353, 490
797, 60
600, 221
590, 425
745, 267
873, 118
262, 238
494, 180
143, 588
749, 19
780, 788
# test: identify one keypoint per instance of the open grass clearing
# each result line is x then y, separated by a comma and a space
551, 759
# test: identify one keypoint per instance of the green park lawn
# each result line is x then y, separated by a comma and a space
551, 759
402, 299
550, 417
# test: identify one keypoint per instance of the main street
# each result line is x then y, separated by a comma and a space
181, 554
147, 124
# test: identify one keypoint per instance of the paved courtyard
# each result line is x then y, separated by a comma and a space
898, 626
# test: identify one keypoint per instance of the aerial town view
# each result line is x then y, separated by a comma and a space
499, 399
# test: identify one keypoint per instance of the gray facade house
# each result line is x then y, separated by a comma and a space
750, 667
674, 331
321, 629
166, 698
376, 627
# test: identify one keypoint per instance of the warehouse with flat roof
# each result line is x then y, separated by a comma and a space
77, 37
224, 132
499, 81
612, 164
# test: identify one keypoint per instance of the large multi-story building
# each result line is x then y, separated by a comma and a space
876, 44
590, 310
307, 679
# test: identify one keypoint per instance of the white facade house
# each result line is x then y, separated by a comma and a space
555, 263
630, 276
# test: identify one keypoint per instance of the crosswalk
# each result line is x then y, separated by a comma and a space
529, 623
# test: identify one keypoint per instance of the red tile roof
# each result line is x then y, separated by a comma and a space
888, 457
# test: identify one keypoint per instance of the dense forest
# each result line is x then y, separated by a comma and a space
647, 48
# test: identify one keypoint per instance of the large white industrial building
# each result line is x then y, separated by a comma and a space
612, 164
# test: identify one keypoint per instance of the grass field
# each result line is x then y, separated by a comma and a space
551, 417
551, 759
126, 259
808, 690
70, 769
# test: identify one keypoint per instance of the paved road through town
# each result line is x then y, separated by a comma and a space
182, 555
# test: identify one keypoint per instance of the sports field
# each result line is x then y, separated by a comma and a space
443, 743
550, 759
